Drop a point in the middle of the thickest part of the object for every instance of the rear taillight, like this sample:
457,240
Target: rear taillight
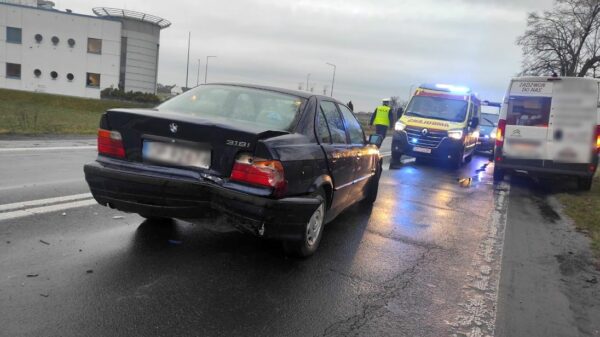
597,138
500,132
110,143
259,172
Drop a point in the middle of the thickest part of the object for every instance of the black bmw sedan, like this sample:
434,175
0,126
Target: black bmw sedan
279,163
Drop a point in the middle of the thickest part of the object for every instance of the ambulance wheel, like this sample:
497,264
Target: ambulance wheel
498,174
584,183
396,156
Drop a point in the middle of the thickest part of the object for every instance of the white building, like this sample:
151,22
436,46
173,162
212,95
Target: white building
46,50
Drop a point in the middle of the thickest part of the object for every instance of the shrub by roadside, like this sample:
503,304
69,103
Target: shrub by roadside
29,113
137,96
584,209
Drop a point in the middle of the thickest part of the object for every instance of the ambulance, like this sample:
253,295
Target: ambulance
441,121
549,126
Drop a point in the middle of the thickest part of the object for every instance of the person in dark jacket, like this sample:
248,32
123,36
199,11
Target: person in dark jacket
382,118
351,106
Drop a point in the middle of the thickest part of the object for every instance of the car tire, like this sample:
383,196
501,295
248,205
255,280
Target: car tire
498,174
396,159
584,183
469,158
312,232
372,188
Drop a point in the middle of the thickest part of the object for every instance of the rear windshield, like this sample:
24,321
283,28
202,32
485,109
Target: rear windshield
261,107
447,109
489,120
528,111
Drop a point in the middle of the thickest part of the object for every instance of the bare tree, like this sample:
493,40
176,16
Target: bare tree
564,39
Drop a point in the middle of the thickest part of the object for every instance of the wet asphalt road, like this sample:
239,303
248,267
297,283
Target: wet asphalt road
426,260
423,262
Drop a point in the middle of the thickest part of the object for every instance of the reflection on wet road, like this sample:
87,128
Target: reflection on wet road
422,262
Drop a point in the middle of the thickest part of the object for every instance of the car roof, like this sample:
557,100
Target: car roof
302,94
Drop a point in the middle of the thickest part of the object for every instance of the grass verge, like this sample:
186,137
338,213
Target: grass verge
584,209
29,113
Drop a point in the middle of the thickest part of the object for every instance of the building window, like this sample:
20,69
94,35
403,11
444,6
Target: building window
70,77
71,43
38,38
93,80
13,70
13,35
54,75
37,73
55,40
94,46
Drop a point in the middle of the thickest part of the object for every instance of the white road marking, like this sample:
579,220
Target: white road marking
39,202
53,148
477,316
46,209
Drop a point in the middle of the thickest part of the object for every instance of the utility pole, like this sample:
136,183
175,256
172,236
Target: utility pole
333,80
206,71
307,78
187,70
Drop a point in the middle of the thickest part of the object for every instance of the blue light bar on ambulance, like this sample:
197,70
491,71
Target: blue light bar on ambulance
453,88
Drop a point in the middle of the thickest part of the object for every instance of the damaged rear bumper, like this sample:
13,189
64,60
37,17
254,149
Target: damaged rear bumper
160,193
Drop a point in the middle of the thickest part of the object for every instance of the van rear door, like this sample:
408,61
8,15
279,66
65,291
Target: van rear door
571,131
527,119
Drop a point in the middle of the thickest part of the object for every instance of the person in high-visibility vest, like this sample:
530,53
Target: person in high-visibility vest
382,118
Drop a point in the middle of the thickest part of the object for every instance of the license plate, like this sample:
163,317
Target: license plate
176,154
421,149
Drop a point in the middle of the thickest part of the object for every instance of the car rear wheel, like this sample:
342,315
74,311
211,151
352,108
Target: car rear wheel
154,219
584,183
313,232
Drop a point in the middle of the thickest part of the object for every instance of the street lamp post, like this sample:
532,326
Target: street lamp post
198,75
206,71
333,80
307,79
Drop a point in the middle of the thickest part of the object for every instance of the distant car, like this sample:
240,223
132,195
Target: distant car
488,126
282,163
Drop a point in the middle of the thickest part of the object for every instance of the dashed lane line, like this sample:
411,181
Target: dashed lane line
47,201
46,209
49,148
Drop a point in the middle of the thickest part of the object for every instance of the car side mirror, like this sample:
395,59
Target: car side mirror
376,140
474,122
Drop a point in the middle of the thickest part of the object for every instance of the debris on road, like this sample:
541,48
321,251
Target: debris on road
89,271
44,242
465,182
33,275
45,295
118,217
64,213
593,280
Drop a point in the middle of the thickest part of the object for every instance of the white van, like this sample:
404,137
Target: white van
549,126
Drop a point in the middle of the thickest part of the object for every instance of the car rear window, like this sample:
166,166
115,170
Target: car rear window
528,111
262,107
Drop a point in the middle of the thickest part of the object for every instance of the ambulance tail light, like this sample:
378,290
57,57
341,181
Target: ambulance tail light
597,138
500,133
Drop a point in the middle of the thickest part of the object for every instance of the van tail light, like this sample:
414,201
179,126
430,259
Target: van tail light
110,143
500,132
597,138
259,172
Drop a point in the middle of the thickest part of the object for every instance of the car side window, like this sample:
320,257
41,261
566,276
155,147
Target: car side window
355,131
323,129
335,122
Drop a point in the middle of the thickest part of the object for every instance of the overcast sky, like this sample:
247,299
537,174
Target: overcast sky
380,47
